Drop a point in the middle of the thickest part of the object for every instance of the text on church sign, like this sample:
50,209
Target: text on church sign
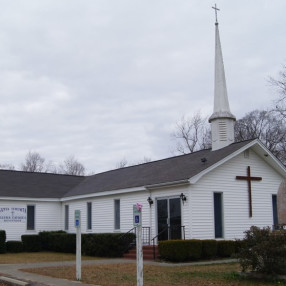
13,214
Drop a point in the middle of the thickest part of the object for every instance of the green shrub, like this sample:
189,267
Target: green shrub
173,250
180,250
46,239
194,247
31,242
225,248
263,251
239,244
106,244
2,241
62,242
96,244
209,248
14,246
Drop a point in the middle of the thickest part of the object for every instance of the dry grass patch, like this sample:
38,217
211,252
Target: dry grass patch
38,257
125,274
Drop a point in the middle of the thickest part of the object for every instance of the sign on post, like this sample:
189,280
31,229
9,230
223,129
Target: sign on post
137,222
137,218
77,224
77,218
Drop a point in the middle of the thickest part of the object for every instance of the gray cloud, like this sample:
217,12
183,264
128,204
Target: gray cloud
103,80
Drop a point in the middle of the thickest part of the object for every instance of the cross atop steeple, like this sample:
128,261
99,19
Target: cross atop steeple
216,9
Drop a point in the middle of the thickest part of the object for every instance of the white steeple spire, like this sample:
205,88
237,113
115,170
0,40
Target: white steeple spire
222,120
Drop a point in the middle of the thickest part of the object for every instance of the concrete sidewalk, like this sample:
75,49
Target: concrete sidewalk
13,270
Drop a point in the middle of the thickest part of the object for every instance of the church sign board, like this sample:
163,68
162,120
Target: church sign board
13,214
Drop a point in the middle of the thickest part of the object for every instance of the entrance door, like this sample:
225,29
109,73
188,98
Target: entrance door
169,218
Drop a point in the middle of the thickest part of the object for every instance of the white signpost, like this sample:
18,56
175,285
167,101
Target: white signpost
137,222
77,224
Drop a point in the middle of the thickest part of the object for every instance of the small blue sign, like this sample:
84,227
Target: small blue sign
137,219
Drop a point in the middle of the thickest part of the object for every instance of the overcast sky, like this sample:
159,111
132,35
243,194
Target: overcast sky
108,79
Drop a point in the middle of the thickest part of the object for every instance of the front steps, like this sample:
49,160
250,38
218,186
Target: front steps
147,253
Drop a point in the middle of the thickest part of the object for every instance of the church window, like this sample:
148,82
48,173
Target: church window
66,217
274,209
116,214
30,217
89,215
218,215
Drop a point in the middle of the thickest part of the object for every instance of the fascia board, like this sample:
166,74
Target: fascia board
168,184
101,194
29,199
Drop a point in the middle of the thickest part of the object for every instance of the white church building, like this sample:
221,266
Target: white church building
216,193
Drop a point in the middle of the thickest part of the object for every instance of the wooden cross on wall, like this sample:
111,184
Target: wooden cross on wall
248,178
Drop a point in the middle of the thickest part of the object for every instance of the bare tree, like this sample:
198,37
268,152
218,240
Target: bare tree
72,166
192,134
280,85
266,126
7,167
143,161
122,163
34,162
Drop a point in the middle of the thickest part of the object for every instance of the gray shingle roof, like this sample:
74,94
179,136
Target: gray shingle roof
44,185
35,185
172,169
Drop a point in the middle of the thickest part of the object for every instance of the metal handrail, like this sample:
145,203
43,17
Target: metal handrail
153,240
146,236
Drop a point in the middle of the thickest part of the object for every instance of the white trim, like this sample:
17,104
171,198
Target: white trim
256,144
29,199
168,184
106,193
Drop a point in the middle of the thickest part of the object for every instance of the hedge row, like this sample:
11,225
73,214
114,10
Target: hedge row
14,246
98,244
194,249
2,241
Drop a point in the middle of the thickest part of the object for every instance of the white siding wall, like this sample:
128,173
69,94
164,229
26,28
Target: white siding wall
235,198
47,217
103,211
197,211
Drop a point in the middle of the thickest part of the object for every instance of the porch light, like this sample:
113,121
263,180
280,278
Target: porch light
183,197
150,201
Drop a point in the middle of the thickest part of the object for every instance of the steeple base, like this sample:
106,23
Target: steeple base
222,132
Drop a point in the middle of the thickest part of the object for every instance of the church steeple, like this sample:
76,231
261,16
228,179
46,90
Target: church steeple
222,120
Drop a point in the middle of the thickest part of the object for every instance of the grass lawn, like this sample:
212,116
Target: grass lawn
34,257
125,274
